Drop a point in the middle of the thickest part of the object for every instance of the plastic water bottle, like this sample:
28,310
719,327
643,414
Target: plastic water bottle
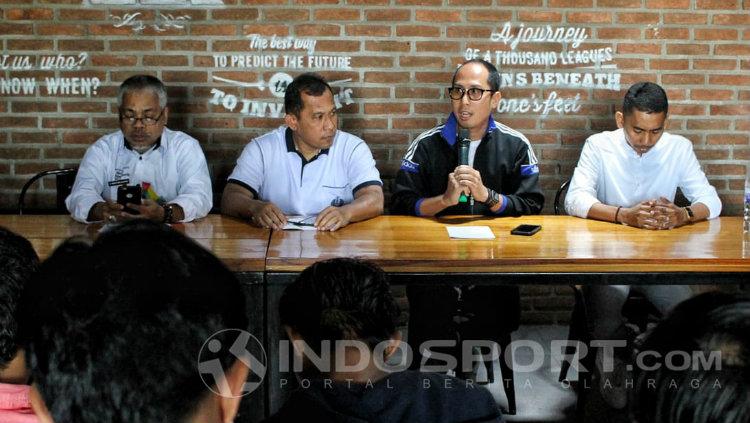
746,223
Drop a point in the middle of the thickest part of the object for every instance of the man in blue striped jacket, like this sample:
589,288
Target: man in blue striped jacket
500,179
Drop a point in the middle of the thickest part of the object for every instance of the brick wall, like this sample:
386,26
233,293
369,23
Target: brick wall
392,60
400,55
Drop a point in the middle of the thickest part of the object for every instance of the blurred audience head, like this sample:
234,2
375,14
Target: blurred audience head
340,299
18,262
115,328
698,368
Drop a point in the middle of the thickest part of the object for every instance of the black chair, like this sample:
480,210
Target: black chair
65,179
560,191
577,330
464,324
466,319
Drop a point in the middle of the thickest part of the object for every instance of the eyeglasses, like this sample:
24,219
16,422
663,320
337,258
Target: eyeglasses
475,94
146,120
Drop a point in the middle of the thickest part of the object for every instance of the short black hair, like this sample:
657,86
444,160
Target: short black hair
645,97
18,262
309,83
493,77
115,329
340,299
704,324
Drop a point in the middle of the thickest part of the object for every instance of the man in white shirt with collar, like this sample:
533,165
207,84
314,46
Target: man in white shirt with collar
169,165
306,167
630,176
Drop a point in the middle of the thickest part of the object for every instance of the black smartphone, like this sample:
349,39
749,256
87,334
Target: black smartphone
526,230
129,194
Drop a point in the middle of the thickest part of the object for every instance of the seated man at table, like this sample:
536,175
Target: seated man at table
630,176
168,165
350,300
19,402
500,178
305,168
711,331
118,331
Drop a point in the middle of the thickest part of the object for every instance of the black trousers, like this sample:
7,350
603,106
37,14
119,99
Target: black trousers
443,312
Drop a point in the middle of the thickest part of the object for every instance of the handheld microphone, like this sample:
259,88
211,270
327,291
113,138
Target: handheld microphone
464,140
463,146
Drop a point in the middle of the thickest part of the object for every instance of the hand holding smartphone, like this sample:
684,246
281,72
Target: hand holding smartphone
129,194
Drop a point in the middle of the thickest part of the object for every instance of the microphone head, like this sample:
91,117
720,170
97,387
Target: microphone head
463,146
463,135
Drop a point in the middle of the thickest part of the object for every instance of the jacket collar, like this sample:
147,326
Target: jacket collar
450,129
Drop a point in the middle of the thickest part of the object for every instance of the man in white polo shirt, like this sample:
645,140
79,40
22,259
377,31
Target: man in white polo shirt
305,168
169,165
631,176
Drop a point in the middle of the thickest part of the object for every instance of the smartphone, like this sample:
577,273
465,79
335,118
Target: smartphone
129,194
526,230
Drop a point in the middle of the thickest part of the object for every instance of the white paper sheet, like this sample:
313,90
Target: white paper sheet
470,232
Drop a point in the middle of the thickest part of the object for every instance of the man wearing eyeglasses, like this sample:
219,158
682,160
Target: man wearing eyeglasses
168,165
500,179
502,175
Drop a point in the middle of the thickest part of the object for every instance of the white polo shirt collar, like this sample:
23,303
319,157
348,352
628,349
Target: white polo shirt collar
291,148
129,146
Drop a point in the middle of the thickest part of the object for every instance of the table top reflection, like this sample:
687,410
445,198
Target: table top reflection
415,245
241,246
564,245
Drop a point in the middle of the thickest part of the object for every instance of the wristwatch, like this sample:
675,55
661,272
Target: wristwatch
492,198
168,212
690,214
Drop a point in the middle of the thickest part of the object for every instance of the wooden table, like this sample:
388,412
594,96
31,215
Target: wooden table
564,245
568,250
242,247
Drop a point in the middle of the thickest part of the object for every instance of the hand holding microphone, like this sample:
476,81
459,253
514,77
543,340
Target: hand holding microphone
464,141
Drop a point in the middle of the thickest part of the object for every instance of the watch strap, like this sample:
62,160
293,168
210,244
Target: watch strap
168,212
492,198
689,212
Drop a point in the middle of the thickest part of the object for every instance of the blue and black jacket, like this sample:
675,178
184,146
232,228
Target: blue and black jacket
504,159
